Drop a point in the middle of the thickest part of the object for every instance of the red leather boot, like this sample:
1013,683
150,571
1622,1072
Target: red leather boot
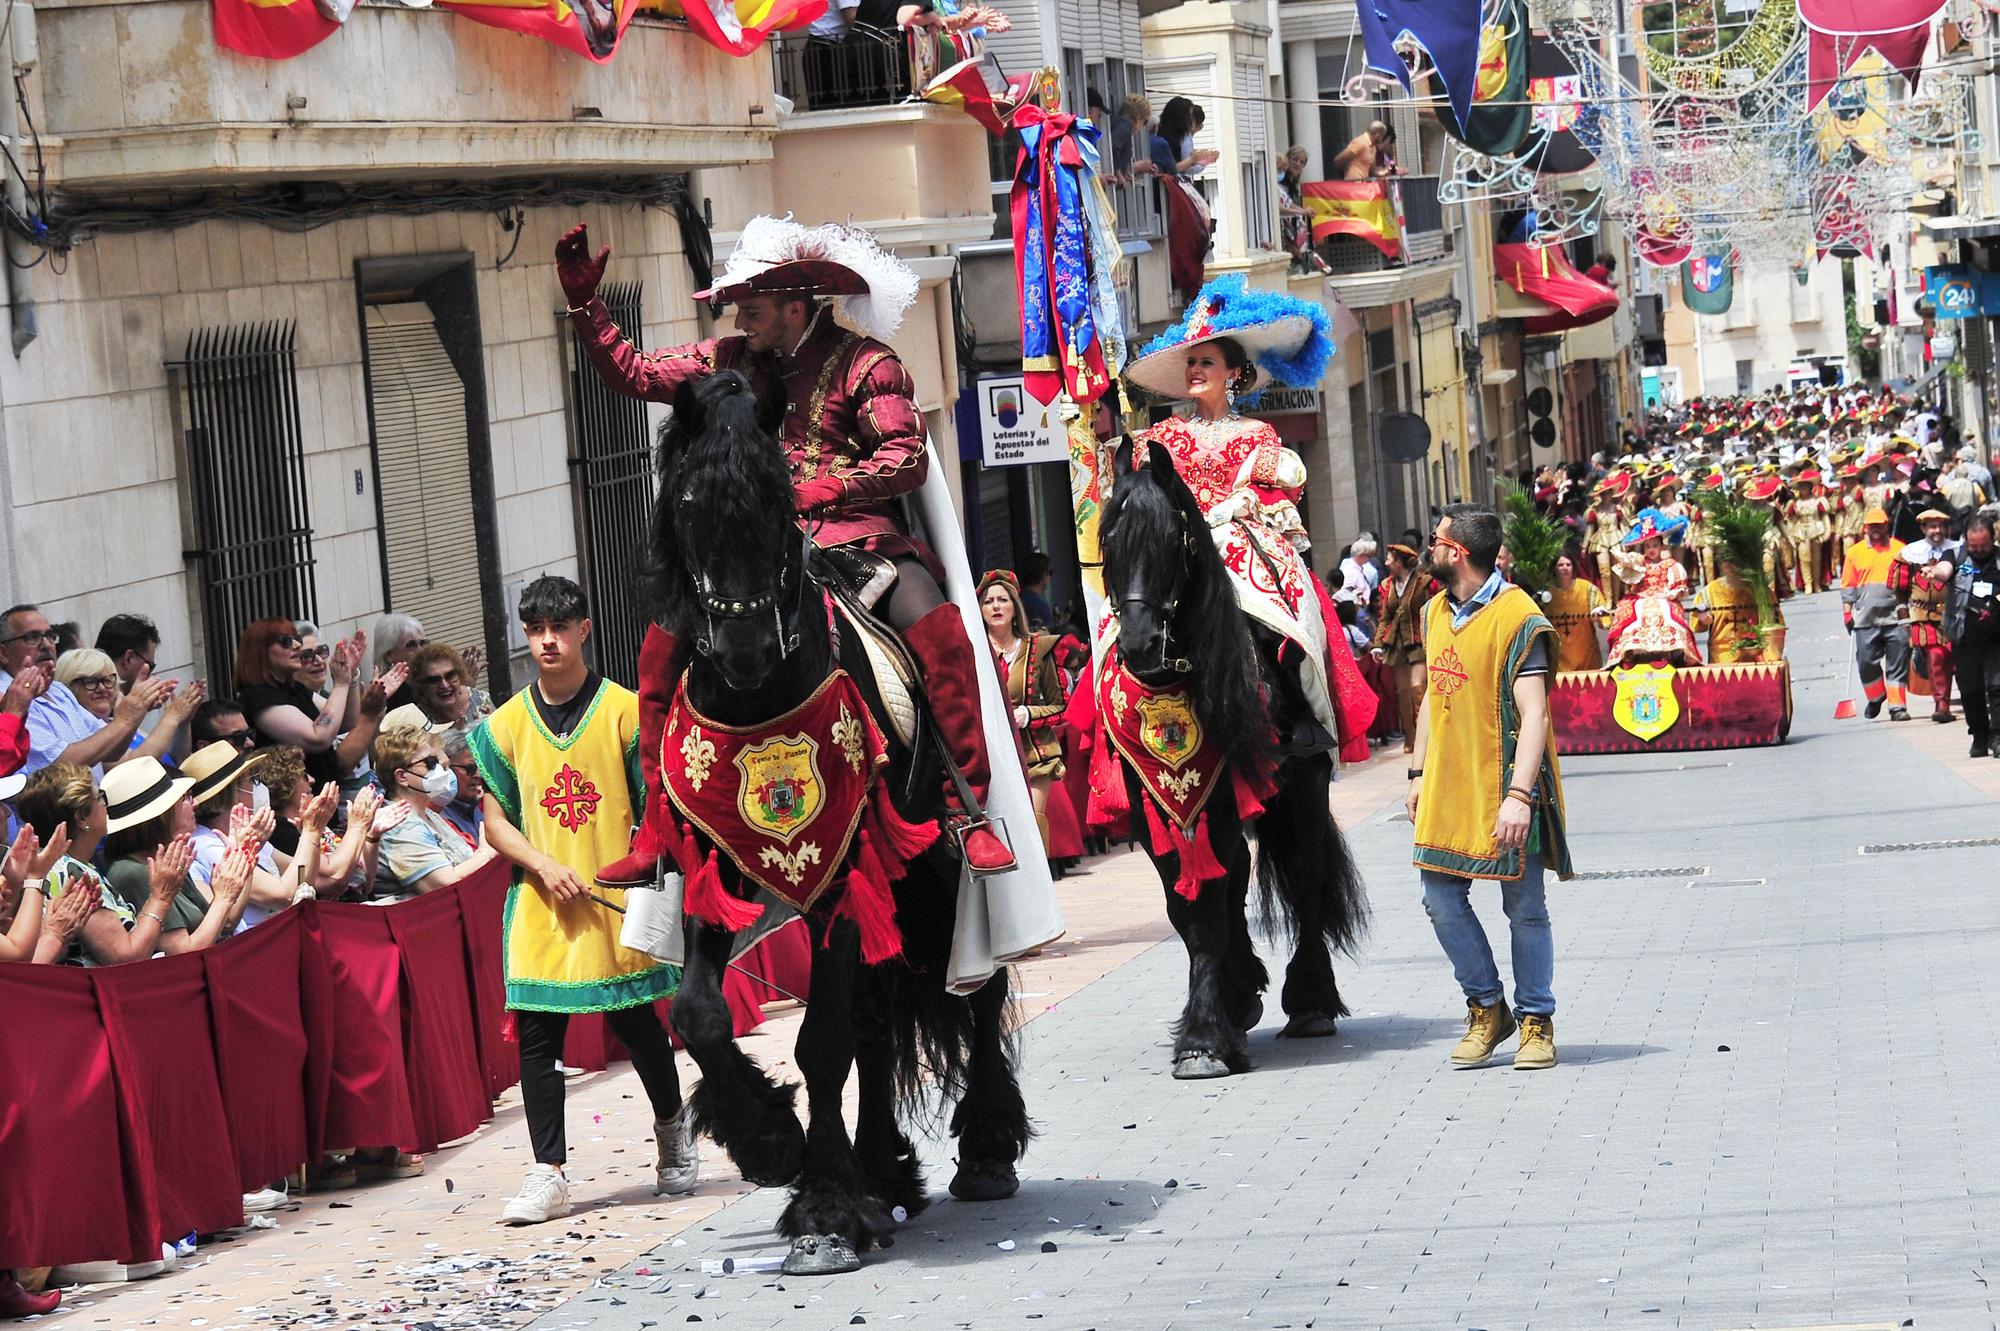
17,1302
951,680
659,676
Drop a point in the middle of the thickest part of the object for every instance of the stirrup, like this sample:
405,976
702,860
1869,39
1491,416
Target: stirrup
961,826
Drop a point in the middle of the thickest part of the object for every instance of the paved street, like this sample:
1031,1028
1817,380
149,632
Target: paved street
1774,1106
1773,1110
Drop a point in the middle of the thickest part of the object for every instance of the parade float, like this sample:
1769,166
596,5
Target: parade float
1658,690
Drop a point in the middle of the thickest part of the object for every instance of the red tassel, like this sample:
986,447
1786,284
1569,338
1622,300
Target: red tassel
867,901
1110,805
705,898
508,1033
902,840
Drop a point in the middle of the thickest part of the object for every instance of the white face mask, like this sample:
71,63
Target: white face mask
441,784
260,797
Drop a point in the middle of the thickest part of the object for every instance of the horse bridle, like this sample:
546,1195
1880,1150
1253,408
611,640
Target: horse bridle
1178,665
771,598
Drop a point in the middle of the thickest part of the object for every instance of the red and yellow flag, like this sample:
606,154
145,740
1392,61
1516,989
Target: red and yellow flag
741,26
977,87
590,28
271,29
1363,208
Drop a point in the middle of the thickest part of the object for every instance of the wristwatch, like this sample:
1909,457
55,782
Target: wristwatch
1415,772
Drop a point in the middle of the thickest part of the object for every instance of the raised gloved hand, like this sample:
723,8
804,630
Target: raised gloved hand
576,268
818,494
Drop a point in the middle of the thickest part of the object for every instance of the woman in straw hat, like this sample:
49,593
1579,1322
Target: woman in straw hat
149,834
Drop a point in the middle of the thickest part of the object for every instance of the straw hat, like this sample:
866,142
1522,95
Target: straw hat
216,768
139,789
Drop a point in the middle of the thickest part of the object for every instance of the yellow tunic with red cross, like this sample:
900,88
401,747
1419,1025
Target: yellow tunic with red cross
575,798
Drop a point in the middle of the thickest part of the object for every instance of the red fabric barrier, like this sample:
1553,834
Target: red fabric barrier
142,1101
1721,707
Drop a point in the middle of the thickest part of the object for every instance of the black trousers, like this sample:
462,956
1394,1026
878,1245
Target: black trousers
541,1035
1978,668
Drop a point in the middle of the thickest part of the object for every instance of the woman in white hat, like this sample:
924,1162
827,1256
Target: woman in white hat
149,830
222,773
62,800
1234,341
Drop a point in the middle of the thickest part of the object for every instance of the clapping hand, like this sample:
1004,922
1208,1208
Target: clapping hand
14,868
181,703
167,869
232,873
361,811
388,816
76,905
475,662
30,684
57,847
144,697
318,812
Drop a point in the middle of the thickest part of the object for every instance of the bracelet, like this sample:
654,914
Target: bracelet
1525,796
1415,772
160,920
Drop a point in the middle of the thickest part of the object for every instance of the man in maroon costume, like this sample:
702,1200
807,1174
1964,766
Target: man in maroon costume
855,440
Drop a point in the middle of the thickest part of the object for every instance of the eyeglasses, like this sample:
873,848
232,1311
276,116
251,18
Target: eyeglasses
95,683
439,681
33,635
426,764
242,739
319,653
1437,541
288,640
415,644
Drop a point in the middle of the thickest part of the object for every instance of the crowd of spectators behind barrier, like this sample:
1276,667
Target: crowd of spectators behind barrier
142,815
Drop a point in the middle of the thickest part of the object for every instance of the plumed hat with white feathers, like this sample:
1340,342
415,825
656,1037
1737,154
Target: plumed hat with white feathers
870,289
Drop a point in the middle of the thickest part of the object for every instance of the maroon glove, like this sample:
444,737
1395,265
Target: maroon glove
578,272
818,494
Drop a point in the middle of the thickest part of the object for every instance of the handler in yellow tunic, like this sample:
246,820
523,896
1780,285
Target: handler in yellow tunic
1574,606
560,760
1485,790
1727,608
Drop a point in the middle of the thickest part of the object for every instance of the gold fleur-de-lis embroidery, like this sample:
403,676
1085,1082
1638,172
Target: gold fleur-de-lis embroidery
792,866
1179,786
1118,700
697,757
847,734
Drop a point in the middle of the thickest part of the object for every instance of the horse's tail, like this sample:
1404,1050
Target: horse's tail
1306,874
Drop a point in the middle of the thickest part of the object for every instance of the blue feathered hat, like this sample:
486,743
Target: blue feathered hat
1651,522
1288,340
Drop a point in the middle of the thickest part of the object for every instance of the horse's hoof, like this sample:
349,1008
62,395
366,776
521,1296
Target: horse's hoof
985,1181
1199,1066
1309,1026
1254,1014
821,1255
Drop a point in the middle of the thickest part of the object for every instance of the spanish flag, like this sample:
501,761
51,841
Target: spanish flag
741,26
271,29
977,87
1368,209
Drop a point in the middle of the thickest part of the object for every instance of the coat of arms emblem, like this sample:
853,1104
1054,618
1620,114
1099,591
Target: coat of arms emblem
1168,728
780,792
1646,706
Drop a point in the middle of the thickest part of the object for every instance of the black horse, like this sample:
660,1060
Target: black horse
1179,623
731,573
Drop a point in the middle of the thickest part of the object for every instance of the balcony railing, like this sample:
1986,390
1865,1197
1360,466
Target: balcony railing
869,67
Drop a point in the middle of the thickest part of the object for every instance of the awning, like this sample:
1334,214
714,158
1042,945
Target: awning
1544,274
1494,378
1963,228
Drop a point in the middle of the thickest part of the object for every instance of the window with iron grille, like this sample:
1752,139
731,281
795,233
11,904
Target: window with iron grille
244,495
611,474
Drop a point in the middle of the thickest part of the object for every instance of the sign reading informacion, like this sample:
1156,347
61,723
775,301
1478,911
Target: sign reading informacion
1014,429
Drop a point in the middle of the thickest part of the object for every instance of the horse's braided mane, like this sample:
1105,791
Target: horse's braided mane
1150,512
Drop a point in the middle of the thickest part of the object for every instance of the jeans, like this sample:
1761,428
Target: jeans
1447,900
541,1036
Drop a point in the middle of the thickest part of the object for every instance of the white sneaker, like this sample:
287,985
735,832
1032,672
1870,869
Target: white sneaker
264,1199
544,1195
679,1169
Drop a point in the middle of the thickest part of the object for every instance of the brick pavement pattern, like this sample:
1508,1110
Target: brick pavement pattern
1773,1109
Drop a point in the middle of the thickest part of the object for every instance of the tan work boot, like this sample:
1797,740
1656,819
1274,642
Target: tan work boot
1485,1028
1538,1042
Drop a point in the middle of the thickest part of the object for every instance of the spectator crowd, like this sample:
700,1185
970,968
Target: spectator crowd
143,815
